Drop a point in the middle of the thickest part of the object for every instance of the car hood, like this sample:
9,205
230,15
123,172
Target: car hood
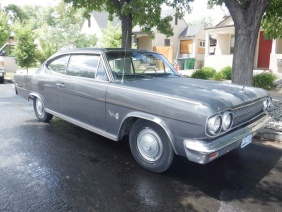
214,94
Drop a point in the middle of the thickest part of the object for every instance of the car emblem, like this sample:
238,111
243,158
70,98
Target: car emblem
112,114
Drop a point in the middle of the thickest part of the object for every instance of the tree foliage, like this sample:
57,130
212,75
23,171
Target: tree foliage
205,21
111,37
59,28
272,20
16,13
4,28
25,50
146,14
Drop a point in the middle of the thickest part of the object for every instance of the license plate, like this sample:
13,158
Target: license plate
247,140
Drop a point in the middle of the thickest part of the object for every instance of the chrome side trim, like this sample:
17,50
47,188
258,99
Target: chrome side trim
83,125
154,119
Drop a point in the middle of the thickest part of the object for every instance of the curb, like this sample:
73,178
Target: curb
270,135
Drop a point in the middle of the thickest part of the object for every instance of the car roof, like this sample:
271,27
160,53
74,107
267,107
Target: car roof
99,50
94,51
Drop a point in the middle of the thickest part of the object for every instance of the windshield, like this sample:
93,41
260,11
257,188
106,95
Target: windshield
131,65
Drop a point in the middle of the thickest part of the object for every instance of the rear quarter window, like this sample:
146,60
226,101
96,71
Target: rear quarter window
59,65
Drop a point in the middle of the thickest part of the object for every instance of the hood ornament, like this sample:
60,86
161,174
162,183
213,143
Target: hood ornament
243,89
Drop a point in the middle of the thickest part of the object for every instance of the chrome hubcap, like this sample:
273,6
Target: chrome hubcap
149,145
39,107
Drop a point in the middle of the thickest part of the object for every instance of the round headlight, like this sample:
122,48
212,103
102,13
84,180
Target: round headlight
214,125
265,104
227,120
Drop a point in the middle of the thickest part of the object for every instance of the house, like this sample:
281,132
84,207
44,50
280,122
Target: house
192,45
268,54
187,41
97,22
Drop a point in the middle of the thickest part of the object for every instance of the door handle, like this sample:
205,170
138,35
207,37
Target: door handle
60,84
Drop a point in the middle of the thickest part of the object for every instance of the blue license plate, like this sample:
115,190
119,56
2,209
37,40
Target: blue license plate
247,140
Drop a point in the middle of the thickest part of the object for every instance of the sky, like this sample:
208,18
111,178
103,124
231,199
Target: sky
23,2
199,8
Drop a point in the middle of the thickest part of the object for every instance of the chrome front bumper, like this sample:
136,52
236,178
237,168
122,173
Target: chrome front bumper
203,151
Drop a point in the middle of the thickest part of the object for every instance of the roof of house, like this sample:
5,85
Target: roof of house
102,19
191,31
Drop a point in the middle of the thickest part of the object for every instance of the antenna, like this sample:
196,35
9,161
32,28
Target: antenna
124,55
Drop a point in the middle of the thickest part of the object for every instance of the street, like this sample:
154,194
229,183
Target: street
58,166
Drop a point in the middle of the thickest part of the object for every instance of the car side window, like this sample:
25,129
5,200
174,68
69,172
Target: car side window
9,50
101,73
59,65
83,65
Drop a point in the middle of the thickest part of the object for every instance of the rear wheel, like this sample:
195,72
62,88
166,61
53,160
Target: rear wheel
150,146
39,110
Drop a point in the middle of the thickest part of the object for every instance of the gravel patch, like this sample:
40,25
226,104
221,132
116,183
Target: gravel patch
276,114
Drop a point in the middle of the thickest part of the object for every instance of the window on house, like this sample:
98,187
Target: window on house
232,42
186,46
201,47
175,20
202,43
167,42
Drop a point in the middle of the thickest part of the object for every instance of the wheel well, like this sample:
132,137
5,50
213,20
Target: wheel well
128,123
126,126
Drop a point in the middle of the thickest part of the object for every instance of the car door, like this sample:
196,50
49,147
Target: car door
47,86
82,91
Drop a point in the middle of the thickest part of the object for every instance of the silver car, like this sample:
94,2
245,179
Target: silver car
118,92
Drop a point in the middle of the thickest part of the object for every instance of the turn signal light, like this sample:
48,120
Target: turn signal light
213,155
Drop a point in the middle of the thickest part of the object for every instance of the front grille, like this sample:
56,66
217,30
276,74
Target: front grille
246,113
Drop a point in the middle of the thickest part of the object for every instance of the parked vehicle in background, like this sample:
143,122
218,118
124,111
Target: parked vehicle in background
7,60
118,92
2,71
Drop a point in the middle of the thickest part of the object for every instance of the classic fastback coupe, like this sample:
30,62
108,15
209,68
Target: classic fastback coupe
118,92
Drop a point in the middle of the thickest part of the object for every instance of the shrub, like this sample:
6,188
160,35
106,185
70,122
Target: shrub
226,72
264,80
219,76
210,72
200,74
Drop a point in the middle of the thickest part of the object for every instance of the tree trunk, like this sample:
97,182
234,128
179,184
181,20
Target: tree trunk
247,18
126,27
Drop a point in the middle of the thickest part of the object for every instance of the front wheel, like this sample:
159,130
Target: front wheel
39,110
150,146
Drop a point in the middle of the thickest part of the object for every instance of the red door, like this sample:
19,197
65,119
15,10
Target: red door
264,51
